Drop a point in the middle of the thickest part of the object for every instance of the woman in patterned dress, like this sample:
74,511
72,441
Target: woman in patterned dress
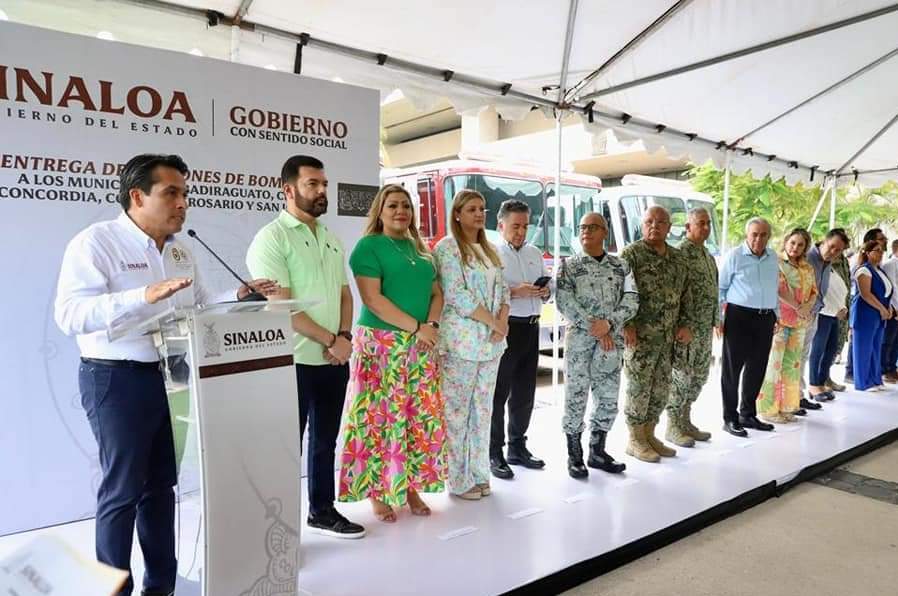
780,396
472,340
394,435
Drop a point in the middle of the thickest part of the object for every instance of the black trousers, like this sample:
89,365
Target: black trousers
747,338
128,413
515,385
322,391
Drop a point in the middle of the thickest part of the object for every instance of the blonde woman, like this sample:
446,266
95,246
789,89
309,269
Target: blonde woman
394,432
780,397
472,340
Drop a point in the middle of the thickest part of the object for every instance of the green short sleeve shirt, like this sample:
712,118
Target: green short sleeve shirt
406,278
311,265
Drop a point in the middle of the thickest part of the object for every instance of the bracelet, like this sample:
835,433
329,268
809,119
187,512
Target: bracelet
345,335
417,327
333,341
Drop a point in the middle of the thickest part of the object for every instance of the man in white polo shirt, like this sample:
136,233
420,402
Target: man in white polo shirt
125,269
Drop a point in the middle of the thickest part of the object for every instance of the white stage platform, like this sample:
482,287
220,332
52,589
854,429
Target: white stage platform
543,531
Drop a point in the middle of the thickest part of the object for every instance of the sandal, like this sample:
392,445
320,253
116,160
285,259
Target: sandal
416,505
383,512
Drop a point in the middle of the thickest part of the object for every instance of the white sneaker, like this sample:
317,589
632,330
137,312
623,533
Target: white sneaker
877,388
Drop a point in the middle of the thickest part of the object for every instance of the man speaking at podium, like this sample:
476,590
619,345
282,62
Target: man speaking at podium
127,269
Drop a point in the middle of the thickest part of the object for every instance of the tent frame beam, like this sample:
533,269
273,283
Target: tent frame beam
477,84
568,44
628,47
816,96
867,145
743,52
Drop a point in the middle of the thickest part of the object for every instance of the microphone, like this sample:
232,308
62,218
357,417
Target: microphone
253,296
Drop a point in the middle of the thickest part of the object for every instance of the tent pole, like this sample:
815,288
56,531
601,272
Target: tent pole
867,145
823,192
726,203
556,253
832,205
235,43
628,47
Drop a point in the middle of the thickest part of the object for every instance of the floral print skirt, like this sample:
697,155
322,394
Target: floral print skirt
394,431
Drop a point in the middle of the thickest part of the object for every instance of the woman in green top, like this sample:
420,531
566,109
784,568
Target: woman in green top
394,430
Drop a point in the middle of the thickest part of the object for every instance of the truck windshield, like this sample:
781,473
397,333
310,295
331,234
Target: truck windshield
496,189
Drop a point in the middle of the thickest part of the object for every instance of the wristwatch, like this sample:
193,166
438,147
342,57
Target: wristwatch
345,335
434,324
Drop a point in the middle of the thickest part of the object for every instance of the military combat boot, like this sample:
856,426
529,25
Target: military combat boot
691,429
638,447
676,430
575,465
655,443
599,458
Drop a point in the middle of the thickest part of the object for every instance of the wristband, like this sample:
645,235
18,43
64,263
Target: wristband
417,327
345,335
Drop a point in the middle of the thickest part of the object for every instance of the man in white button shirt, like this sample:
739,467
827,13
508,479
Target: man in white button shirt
522,265
128,269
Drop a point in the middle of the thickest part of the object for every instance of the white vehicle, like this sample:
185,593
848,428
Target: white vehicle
623,207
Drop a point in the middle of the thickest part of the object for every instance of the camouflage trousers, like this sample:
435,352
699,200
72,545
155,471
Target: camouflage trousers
691,364
648,368
587,366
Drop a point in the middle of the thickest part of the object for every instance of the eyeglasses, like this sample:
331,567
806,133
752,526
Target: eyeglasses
590,228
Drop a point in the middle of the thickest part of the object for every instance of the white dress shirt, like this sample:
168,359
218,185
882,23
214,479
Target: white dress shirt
105,271
836,292
524,265
890,268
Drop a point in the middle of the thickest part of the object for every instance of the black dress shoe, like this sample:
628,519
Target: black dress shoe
499,467
808,404
734,428
753,422
519,455
800,412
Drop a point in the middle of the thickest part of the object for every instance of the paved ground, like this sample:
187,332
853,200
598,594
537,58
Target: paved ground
836,536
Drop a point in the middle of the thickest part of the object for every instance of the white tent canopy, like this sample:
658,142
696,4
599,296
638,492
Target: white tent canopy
818,95
734,101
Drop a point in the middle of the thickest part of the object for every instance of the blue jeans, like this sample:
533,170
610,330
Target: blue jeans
823,349
128,413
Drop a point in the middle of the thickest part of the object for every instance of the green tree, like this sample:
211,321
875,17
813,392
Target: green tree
787,207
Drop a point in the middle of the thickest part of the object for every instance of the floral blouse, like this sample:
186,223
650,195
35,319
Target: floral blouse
464,289
800,284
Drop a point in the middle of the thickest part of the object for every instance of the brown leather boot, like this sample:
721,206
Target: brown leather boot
638,447
655,443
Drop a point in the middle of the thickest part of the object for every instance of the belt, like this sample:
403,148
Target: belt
122,363
531,320
757,311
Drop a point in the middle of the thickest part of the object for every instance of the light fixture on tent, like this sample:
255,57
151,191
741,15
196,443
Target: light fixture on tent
3,16
106,35
270,67
338,80
196,52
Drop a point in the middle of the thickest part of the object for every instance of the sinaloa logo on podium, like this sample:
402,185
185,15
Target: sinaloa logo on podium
211,341
251,339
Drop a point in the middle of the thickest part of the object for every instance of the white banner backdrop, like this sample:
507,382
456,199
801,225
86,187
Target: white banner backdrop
72,111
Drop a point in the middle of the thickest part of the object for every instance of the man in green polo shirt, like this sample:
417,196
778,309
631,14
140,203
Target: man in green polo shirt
309,263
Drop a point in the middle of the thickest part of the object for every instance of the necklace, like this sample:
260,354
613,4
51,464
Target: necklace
402,252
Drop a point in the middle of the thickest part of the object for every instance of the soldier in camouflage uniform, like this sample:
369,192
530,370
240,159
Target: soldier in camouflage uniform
692,361
662,319
596,294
